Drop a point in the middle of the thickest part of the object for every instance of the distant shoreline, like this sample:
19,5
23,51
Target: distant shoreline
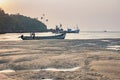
24,32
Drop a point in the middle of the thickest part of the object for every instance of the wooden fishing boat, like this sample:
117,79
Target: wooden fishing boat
59,36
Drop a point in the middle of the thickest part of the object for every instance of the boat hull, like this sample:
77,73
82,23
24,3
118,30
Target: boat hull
61,36
75,31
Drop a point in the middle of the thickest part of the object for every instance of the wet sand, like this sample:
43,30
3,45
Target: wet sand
94,59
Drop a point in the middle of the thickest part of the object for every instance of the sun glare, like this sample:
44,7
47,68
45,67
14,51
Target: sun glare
1,1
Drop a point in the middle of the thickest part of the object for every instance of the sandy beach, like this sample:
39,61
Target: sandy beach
91,59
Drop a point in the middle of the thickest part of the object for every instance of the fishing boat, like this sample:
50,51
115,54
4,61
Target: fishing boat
77,30
105,30
73,31
58,30
69,30
33,37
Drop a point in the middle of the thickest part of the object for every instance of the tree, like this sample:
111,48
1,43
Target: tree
19,23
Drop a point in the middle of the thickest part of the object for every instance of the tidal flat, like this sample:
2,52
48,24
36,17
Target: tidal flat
90,59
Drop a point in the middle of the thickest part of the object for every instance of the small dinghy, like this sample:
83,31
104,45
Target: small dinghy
33,37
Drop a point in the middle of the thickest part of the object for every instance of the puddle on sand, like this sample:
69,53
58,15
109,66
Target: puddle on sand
7,71
92,44
105,40
9,50
70,69
47,79
48,69
114,47
54,69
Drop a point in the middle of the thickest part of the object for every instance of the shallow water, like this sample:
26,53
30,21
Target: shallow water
47,79
81,35
55,69
69,69
47,69
7,71
105,40
93,35
114,47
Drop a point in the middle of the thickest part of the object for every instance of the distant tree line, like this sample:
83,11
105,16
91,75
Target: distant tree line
19,23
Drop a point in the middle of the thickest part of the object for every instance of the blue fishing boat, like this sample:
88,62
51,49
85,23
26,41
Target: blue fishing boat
73,31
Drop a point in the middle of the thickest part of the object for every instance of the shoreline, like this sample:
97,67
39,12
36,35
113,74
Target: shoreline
96,62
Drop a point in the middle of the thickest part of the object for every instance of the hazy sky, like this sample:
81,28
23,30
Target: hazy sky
88,14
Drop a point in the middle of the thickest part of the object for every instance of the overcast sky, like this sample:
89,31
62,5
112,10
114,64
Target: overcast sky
87,14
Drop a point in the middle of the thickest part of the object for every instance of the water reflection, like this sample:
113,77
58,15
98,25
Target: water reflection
81,35
47,69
